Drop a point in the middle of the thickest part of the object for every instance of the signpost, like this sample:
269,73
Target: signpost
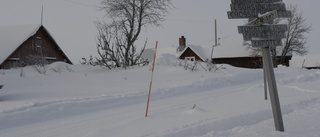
267,17
254,1
263,28
266,35
260,7
254,14
261,13
266,43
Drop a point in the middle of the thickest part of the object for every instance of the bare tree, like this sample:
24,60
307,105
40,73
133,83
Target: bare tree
295,41
116,39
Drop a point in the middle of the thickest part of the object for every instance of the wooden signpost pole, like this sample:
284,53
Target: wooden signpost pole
263,34
273,91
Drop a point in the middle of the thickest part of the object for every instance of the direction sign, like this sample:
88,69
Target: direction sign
262,28
267,17
254,14
266,43
268,35
259,7
264,40
254,1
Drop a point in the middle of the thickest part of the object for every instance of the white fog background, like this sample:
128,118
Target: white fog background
71,23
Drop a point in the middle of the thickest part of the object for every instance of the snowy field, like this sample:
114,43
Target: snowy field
87,101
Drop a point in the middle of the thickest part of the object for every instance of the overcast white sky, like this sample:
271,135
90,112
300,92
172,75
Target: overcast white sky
71,23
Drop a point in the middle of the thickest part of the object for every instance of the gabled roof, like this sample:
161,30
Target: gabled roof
11,37
230,51
204,52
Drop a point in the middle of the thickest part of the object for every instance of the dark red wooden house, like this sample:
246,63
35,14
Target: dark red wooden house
19,42
222,55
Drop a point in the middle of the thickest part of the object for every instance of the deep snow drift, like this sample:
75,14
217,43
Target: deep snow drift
86,101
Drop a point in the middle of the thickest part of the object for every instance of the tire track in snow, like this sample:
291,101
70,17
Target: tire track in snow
45,111
212,126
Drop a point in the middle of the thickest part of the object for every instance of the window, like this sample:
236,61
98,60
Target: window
190,58
38,45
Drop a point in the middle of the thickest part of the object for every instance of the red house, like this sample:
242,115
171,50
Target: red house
221,55
17,43
193,52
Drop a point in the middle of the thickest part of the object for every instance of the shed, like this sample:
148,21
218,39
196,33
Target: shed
17,43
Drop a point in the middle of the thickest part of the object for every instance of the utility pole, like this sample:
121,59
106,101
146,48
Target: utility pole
41,15
215,37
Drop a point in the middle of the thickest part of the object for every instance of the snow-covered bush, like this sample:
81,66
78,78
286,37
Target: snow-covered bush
37,62
166,60
59,67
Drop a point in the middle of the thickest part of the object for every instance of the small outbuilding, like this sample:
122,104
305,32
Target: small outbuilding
18,43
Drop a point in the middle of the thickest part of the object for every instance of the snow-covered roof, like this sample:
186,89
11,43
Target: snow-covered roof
203,51
219,51
312,60
148,54
11,37
230,51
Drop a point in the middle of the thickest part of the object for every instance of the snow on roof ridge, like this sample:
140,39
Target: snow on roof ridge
203,51
11,37
219,51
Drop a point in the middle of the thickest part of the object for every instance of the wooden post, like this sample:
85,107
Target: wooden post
273,91
265,81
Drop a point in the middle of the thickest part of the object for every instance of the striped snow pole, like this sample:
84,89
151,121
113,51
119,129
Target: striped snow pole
150,87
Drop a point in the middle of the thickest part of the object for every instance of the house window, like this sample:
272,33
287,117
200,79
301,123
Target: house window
190,58
39,49
39,45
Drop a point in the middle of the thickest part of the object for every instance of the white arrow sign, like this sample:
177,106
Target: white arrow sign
267,17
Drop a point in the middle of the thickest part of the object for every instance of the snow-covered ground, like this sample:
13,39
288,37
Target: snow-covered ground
87,101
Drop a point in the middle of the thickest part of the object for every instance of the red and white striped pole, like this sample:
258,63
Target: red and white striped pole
150,87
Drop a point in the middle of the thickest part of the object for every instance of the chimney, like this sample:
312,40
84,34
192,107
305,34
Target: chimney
182,43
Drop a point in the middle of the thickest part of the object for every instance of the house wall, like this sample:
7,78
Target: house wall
41,44
247,62
189,53
242,62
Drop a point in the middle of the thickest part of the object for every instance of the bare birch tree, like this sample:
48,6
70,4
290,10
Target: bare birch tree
126,18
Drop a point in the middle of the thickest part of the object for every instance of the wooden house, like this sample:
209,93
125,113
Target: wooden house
17,43
195,53
235,56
